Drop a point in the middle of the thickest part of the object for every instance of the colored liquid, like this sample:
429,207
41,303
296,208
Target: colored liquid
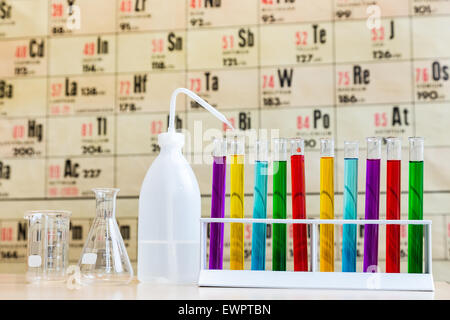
279,212
237,211
217,211
350,212
299,212
372,212
415,212
393,213
259,212
326,212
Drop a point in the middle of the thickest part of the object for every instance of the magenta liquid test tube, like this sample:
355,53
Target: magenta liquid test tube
217,204
372,204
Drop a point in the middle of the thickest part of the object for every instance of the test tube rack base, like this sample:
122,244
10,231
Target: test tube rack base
315,279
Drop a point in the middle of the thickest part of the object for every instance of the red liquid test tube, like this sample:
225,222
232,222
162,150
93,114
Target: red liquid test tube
393,194
299,204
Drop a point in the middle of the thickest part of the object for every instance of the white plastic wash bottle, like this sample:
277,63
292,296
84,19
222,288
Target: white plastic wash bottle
169,210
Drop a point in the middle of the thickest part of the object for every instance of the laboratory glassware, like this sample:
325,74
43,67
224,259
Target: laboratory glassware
372,204
104,258
299,204
393,194
279,204
415,205
170,209
260,206
351,154
237,202
48,244
326,204
217,203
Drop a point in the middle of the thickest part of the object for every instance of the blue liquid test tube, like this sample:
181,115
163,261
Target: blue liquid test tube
260,206
351,150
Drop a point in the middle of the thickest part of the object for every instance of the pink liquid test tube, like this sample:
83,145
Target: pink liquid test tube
372,211
217,204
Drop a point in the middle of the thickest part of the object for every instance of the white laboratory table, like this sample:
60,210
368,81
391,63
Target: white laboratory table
14,287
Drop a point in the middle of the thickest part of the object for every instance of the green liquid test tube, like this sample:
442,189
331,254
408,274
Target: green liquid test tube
415,205
279,204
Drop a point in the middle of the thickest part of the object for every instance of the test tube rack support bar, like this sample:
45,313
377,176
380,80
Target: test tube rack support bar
314,279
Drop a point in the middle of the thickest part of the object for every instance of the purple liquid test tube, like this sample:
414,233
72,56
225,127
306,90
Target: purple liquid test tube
217,204
372,204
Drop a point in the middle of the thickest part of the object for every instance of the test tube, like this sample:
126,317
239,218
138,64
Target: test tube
415,204
279,204
372,204
351,154
260,206
299,204
217,203
393,194
326,204
237,203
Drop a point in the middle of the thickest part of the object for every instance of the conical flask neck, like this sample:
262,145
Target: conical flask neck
105,202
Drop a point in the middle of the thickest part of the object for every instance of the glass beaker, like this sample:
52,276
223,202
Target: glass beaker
48,244
104,259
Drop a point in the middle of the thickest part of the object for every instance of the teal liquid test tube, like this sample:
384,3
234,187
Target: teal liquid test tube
260,206
415,205
279,204
351,154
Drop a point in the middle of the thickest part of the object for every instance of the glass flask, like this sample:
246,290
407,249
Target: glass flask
104,259
47,250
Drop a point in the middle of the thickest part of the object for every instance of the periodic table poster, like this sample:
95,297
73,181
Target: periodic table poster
85,88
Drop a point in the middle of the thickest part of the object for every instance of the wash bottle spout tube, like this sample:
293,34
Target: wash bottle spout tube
415,205
196,98
393,194
372,204
351,154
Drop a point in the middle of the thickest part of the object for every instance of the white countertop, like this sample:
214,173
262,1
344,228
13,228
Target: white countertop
14,286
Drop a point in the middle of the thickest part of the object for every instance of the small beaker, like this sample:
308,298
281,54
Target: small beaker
104,259
48,244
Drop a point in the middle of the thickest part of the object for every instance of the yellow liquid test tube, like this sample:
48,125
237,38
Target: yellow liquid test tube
326,204
237,204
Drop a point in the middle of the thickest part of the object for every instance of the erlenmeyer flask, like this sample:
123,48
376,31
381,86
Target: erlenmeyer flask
104,259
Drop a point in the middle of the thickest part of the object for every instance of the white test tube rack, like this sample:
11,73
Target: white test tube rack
314,278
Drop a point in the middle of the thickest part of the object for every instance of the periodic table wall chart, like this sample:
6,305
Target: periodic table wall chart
85,88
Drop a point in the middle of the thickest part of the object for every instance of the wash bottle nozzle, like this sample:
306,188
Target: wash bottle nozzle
203,103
